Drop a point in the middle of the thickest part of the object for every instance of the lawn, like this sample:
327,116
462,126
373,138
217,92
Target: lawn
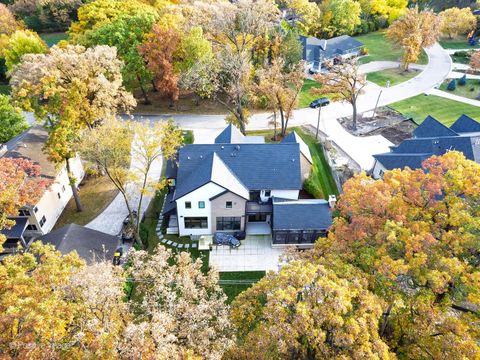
457,44
96,193
306,97
53,38
379,48
395,76
444,110
320,184
471,90
4,89
233,283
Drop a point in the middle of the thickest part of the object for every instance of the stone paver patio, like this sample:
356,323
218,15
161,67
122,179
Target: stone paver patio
255,254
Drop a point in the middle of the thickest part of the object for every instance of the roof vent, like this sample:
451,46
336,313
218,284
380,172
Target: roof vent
237,147
222,147
293,160
201,156
188,157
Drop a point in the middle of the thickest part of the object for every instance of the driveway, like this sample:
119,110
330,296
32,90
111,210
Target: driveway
359,149
110,221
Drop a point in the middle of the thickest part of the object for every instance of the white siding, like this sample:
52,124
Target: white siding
50,205
378,170
203,193
286,194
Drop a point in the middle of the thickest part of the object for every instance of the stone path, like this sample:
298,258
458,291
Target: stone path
168,242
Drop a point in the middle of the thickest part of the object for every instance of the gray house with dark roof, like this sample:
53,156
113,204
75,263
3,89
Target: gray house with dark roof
321,50
230,185
431,138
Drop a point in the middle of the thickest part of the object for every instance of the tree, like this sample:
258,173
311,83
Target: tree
415,234
290,49
414,31
234,29
95,14
184,308
475,61
20,185
457,21
20,43
12,121
201,78
158,51
342,82
452,85
463,80
282,86
306,13
126,153
70,89
309,310
8,23
126,33
340,17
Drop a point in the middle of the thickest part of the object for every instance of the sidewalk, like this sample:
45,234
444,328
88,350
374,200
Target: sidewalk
448,95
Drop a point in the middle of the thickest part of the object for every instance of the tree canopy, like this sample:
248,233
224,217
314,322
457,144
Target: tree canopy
12,122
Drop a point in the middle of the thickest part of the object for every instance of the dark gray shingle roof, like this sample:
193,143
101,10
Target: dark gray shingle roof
319,49
399,161
431,127
256,166
301,215
465,124
16,231
90,244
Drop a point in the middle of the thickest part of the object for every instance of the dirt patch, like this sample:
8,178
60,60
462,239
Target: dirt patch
387,122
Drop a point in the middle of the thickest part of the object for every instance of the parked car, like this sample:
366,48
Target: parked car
225,239
319,102
316,68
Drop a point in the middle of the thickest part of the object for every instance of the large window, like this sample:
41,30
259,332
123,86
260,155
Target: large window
23,212
228,223
196,222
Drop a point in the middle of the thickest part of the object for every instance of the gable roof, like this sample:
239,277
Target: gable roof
320,49
392,161
465,124
17,230
293,137
431,127
88,243
254,166
231,135
308,214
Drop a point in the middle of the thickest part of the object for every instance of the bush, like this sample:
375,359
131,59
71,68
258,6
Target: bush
463,80
452,85
364,51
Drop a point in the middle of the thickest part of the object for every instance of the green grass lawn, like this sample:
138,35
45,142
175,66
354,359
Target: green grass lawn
444,110
53,38
4,89
457,44
379,48
96,193
320,184
306,97
471,90
395,76
234,282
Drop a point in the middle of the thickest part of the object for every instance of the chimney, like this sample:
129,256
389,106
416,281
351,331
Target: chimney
332,200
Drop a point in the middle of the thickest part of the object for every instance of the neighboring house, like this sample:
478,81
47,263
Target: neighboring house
231,186
14,236
91,245
43,215
431,138
321,50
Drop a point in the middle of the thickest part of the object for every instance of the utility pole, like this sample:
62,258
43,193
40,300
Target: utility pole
378,99
318,120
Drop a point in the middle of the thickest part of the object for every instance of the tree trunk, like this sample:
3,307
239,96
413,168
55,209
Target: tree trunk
196,99
282,122
385,320
354,117
71,180
241,120
137,224
146,100
274,126
155,89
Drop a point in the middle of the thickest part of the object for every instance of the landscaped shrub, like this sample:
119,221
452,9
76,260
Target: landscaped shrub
364,51
452,85
463,80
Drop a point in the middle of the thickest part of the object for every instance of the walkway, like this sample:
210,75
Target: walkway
451,96
110,221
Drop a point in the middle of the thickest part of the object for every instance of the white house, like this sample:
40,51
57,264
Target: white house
44,214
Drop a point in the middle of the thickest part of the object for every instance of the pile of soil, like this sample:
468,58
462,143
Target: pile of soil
387,122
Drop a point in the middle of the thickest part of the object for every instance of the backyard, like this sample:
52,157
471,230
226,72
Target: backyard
53,38
458,43
380,49
233,283
395,76
444,110
306,96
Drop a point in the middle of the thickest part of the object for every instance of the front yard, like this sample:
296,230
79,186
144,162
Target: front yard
380,49
96,193
395,76
306,96
460,43
470,90
444,110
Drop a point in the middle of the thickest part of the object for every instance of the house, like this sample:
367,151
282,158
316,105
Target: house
321,50
14,236
43,215
234,184
90,244
431,137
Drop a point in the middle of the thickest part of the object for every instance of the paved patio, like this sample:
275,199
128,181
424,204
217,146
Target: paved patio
255,254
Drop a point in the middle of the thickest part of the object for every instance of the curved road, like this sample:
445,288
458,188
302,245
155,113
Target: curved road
360,149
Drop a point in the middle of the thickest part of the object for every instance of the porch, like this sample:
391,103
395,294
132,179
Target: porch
258,218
